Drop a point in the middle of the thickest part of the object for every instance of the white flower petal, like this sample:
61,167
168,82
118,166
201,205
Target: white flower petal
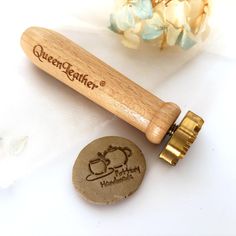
175,13
131,40
156,20
172,35
143,9
151,32
125,19
185,40
113,25
18,145
137,28
197,8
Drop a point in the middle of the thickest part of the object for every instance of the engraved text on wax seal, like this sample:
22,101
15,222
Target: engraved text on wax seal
111,166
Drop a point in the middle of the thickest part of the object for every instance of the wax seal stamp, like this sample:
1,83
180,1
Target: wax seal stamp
108,170
105,86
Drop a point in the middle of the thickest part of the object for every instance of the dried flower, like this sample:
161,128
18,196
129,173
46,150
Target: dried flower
169,22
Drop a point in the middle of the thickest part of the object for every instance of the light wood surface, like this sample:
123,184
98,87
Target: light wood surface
80,70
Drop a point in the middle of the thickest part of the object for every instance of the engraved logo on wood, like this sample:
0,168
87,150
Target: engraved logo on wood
113,163
66,68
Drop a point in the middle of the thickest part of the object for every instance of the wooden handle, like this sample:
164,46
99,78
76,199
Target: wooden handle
77,68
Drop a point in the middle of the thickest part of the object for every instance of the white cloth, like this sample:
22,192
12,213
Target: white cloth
44,125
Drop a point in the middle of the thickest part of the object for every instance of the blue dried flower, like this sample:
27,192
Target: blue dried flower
127,12
170,22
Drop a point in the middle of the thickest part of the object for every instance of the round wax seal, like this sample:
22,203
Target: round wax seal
109,169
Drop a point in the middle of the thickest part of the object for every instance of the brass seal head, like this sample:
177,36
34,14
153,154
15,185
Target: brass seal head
182,136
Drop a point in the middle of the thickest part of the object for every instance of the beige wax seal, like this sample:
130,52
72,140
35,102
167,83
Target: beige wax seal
108,169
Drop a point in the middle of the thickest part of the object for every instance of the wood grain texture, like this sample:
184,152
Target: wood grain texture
80,70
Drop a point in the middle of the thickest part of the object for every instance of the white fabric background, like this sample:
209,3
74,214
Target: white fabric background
197,197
